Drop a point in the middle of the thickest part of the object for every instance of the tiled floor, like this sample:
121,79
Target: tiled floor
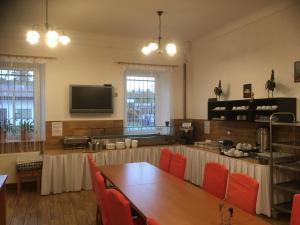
74,208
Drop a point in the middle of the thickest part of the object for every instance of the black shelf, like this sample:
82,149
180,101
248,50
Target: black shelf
290,145
283,105
285,207
291,166
292,186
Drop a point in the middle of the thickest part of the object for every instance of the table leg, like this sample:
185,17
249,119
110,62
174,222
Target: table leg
2,206
38,183
18,185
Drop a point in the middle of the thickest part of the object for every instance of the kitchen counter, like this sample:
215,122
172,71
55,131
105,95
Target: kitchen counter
201,148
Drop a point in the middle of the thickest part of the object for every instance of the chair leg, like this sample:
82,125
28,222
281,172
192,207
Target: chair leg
98,216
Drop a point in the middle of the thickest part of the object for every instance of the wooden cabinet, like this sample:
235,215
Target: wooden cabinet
256,110
2,199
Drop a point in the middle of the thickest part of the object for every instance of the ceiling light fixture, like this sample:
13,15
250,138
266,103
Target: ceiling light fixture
53,37
156,46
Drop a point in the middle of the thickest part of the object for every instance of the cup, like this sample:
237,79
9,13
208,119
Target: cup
134,143
127,142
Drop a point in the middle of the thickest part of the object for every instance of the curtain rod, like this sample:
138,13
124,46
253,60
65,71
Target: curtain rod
145,64
28,56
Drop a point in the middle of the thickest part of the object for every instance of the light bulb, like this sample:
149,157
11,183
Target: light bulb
33,37
146,50
171,49
52,35
153,46
64,39
52,38
52,43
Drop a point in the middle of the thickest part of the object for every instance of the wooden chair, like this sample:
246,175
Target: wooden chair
242,192
119,210
151,221
165,159
101,199
215,179
295,216
177,165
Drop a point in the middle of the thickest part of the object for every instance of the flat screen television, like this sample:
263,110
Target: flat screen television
91,99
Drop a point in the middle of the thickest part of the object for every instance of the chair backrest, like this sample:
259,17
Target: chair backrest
118,207
177,165
151,221
295,216
242,192
165,159
215,179
90,159
101,197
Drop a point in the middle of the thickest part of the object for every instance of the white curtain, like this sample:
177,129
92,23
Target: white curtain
163,88
21,104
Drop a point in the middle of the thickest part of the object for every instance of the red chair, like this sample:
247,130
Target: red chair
242,192
101,198
215,179
118,208
151,221
165,159
90,159
295,216
177,165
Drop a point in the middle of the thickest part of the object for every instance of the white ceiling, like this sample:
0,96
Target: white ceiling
183,19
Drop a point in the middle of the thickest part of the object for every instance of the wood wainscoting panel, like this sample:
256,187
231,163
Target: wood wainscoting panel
82,128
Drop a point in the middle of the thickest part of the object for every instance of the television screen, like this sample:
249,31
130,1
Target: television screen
91,99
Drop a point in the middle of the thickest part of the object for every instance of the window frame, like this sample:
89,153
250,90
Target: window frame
142,130
37,121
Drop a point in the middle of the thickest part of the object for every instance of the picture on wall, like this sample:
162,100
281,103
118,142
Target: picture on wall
247,90
297,72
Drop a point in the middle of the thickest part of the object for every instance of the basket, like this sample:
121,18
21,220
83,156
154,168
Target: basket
26,165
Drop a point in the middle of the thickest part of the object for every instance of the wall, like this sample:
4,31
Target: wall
246,52
89,59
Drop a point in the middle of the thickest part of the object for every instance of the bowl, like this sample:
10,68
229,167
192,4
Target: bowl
110,146
127,142
134,143
120,144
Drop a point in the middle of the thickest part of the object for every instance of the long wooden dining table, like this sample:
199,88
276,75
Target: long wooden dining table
172,201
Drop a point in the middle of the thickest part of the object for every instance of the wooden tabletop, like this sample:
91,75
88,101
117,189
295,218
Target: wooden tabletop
155,193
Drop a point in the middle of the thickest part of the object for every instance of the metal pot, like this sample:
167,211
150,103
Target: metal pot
262,139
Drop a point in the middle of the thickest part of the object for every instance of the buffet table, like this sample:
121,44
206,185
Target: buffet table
63,172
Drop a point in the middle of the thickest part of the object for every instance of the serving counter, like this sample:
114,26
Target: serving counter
67,170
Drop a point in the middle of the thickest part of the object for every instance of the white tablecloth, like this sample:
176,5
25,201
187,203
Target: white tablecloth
70,172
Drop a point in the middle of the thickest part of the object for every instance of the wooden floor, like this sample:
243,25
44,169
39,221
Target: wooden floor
74,208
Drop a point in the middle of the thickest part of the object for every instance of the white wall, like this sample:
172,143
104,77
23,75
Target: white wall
90,59
246,52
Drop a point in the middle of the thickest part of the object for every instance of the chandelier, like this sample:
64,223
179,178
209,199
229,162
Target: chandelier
52,37
156,45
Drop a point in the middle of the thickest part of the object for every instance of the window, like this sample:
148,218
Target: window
20,101
144,91
140,92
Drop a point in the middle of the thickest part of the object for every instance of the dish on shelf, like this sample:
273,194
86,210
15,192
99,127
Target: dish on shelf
243,107
219,108
266,107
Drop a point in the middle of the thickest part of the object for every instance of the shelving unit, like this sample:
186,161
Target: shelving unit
253,110
291,164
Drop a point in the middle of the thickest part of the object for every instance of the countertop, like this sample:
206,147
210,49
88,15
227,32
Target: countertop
200,148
